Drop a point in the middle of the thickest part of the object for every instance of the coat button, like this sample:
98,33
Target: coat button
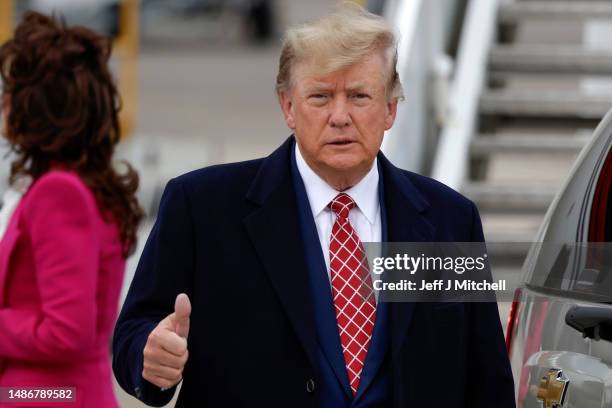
310,385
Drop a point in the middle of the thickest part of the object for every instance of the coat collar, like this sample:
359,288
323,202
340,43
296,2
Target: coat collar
275,167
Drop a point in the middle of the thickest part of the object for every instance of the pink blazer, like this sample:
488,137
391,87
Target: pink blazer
61,272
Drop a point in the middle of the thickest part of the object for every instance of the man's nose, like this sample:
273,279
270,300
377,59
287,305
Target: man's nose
340,114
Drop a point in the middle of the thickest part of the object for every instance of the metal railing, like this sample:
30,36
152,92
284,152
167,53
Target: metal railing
425,30
451,158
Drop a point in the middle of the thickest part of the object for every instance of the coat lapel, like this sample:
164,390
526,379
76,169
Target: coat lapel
275,233
325,315
406,222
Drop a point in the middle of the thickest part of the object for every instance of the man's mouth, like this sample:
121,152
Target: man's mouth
341,142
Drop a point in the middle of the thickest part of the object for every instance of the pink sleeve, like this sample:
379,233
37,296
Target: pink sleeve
60,218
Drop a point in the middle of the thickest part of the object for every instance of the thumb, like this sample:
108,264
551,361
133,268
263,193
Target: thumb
182,310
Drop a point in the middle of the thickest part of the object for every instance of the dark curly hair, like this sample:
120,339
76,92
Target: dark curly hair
63,110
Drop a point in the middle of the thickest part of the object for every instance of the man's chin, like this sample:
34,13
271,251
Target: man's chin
346,164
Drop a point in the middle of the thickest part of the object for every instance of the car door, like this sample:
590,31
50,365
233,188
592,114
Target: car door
560,339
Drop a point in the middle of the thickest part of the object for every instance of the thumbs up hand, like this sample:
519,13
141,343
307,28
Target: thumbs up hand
165,353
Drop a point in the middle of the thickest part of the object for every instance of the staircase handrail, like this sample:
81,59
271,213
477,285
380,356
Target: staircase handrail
478,35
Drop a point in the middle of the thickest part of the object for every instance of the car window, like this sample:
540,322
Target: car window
597,275
600,222
582,267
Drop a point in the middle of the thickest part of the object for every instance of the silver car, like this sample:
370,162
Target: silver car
560,326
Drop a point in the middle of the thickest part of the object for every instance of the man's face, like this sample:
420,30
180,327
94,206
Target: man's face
339,119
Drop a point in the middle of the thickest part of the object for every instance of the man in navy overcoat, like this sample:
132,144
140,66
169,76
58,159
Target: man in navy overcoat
251,289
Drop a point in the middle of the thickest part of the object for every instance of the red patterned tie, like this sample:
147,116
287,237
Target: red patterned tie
352,289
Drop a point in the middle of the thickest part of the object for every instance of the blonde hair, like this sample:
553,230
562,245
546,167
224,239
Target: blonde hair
337,41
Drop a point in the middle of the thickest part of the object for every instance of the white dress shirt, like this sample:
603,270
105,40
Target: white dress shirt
365,217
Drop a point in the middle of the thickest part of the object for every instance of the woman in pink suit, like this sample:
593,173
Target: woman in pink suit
63,250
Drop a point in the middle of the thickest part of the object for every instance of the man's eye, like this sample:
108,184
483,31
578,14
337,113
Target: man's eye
318,96
361,96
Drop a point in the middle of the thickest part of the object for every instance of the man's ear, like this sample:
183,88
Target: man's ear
391,112
287,106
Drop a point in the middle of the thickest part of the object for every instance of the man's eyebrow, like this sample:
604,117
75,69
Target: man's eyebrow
359,86
316,86
319,86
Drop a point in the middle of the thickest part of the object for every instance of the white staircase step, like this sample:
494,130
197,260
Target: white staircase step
510,198
511,227
500,237
510,237
550,59
545,104
484,145
503,248
515,10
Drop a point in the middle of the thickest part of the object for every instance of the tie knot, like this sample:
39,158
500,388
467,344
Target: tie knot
341,205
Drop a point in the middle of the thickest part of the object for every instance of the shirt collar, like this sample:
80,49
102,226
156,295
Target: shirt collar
320,194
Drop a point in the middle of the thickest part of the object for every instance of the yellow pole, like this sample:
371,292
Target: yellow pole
126,46
6,20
